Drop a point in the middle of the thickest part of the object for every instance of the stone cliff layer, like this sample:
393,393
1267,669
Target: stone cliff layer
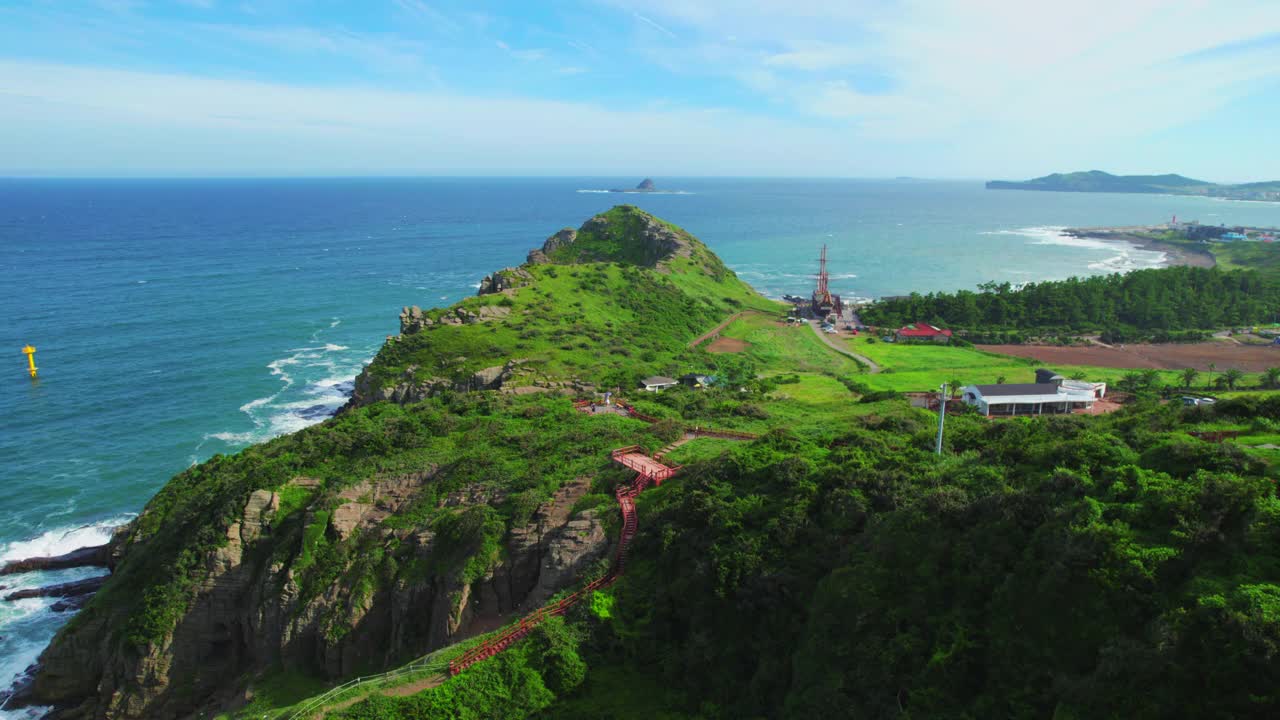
256,604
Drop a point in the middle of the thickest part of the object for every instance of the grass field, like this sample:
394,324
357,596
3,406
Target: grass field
779,348
909,368
817,398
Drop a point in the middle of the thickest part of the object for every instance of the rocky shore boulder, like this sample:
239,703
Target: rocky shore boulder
97,555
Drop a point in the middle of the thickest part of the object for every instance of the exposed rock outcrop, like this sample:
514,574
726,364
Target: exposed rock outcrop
253,607
94,556
414,320
624,233
563,238
504,280
70,589
413,388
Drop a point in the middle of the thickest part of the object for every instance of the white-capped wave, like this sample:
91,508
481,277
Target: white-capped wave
59,541
635,192
1123,256
315,380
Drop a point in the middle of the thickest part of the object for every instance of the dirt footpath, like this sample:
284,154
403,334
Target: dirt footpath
1172,356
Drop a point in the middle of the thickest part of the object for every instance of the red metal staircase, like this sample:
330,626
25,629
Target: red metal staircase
648,471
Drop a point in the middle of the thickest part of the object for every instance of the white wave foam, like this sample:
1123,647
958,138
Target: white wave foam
1126,257
315,381
240,438
634,192
250,406
59,541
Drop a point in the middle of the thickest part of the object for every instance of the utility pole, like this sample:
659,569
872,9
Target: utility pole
942,416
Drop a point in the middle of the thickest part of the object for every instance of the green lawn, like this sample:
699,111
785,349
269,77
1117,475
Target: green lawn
780,348
909,368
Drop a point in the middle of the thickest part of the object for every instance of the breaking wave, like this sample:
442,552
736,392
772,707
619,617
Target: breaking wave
315,380
1120,256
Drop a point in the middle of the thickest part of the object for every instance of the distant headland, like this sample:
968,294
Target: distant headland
1171,184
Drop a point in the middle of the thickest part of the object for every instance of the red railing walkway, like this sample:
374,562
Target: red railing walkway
648,472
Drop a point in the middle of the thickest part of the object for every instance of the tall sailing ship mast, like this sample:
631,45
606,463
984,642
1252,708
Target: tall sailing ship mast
824,302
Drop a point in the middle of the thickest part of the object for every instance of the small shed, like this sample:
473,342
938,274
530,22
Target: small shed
657,383
696,380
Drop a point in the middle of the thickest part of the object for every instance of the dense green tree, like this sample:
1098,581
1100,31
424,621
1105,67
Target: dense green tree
1056,567
1163,304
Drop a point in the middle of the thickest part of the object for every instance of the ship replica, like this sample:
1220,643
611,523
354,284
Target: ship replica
825,303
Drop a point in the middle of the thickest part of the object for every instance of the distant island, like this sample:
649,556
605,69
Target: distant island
645,186
1171,184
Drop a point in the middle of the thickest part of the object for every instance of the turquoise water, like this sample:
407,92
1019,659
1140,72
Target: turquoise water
178,319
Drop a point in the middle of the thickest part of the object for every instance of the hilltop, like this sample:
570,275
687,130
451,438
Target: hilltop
1171,184
626,286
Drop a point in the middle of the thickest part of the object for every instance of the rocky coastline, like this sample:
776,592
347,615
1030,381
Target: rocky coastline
1175,254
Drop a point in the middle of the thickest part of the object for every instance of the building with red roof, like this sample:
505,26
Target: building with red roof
921,332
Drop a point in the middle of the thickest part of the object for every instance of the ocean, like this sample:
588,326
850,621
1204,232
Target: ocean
176,319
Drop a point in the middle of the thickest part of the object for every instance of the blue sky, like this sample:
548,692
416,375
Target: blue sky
933,88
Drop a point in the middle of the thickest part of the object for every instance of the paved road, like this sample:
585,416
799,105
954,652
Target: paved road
835,344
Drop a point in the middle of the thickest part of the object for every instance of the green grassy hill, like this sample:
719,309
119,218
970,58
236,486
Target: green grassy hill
629,289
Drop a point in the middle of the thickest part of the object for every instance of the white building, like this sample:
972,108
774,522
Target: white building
658,383
1053,394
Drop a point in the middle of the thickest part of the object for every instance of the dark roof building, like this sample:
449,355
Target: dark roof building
1018,389
1058,396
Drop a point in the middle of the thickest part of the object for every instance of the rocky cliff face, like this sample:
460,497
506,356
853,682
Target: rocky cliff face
257,606
412,388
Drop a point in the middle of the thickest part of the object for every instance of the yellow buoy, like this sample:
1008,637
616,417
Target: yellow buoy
31,358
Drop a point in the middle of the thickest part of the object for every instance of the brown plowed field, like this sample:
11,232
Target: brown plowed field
727,345
1173,356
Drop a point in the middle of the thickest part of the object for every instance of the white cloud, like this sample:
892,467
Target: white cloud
819,56
377,51
980,69
55,117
